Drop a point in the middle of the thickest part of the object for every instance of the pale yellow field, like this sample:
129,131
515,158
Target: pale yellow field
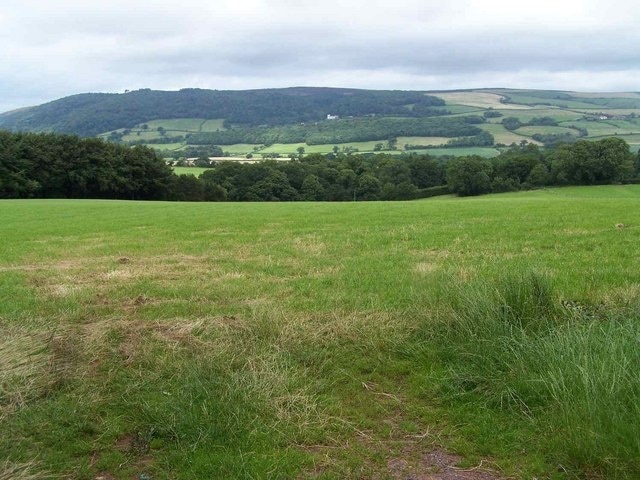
479,99
502,135
426,141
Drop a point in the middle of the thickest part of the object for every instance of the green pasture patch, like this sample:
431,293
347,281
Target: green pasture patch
321,340
166,146
502,135
599,128
463,109
531,99
487,152
558,114
177,124
196,171
610,111
138,135
240,148
212,125
428,141
544,130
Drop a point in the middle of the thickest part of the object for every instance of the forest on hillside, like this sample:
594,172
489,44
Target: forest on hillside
89,114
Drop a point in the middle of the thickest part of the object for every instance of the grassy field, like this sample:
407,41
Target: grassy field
544,130
428,141
488,152
524,116
502,135
173,127
318,340
477,99
189,170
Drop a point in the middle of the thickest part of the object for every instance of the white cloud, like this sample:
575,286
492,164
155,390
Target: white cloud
50,49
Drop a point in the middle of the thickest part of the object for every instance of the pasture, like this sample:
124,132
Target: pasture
321,340
531,130
502,135
477,99
196,171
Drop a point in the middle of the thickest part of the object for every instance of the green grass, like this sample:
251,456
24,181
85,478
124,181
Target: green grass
608,127
530,98
502,135
212,125
321,340
544,130
488,152
428,141
176,124
167,146
524,116
189,170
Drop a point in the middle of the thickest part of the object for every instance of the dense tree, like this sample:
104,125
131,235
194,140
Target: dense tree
311,188
49,165
511,123
587,163
469,175
64,166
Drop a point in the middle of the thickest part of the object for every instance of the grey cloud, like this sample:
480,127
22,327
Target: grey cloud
71,46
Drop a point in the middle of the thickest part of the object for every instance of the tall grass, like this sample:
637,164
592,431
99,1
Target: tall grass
573,370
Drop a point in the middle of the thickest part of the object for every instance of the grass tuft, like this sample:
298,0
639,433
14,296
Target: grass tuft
513,346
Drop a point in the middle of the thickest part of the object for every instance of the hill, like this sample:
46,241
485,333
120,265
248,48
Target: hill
278,122
89,114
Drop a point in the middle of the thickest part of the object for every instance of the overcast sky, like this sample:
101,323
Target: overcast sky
50,49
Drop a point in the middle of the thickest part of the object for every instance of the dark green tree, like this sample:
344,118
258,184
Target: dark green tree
469,175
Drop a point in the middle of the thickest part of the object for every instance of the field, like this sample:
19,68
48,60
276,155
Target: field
477,99
488,152
172,127
507,137
567,108
544,130
317,340
189,170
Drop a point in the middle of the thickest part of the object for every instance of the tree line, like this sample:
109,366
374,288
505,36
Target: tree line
385,177
63,166
66,166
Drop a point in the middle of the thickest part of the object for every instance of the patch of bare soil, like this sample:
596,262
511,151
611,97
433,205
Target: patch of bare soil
436,465
397,455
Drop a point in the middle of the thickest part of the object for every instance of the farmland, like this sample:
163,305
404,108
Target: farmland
193,122
567,109
319,340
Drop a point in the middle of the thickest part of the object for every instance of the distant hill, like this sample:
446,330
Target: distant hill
89,114
285,121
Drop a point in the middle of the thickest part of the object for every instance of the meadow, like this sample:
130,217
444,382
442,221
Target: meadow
322,340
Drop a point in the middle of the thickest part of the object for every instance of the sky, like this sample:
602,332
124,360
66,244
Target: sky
52,49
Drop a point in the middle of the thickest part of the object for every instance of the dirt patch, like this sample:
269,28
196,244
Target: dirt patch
105,476
437,465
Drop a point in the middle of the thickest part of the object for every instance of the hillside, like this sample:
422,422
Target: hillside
93,113
279,122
